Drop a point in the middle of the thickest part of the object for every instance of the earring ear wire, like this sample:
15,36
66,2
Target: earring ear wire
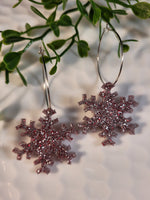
107,28
45,80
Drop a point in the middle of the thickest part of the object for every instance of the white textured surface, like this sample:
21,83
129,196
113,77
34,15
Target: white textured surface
98,173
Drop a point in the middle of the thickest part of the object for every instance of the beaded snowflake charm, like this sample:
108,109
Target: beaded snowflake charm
46,142
108,114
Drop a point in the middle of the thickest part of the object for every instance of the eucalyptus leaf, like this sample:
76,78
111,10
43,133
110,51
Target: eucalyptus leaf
15,5
65,20
2,66
51,18
37,12
81,8
10,40
53,70
83,48
11,60
120,3
36,2
106,13
10,33
96,12
141,10
53,49
46,59
125,48
56,44
27,26
120,12
55,28
91,14
22,77
64,4
130,40
50,4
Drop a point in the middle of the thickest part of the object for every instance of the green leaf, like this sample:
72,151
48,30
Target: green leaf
91,14
120,12
96,12
55,28
141,10
10,33
130,40
15,5
64,4
2,66
46,59
1,42
56,44
52,48
36,2
27,26
120,3
53,70
83,48
50,4
125,48
11,60
11,40
65,20
22,77
106,13
37,12
51,18
81,8
48,55
97,15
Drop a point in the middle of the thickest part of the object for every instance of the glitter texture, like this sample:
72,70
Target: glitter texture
108,114
46,142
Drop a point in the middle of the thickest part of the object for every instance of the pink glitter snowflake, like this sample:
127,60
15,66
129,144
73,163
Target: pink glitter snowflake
46,142
108,114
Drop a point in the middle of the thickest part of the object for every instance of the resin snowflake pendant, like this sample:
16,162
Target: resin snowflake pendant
108,114
46,143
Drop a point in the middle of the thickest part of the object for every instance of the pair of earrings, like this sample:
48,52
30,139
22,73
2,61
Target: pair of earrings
47,142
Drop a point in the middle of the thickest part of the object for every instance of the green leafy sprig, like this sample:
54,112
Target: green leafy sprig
92,11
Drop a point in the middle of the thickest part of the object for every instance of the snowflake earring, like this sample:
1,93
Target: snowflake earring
46,142
108,110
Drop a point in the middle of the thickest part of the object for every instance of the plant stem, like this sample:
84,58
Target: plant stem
76,26
27,46
69,46
34,27
75,9
46,50
42,36
6,76
36,2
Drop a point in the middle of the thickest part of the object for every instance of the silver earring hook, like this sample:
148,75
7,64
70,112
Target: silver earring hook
121,52
45,80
